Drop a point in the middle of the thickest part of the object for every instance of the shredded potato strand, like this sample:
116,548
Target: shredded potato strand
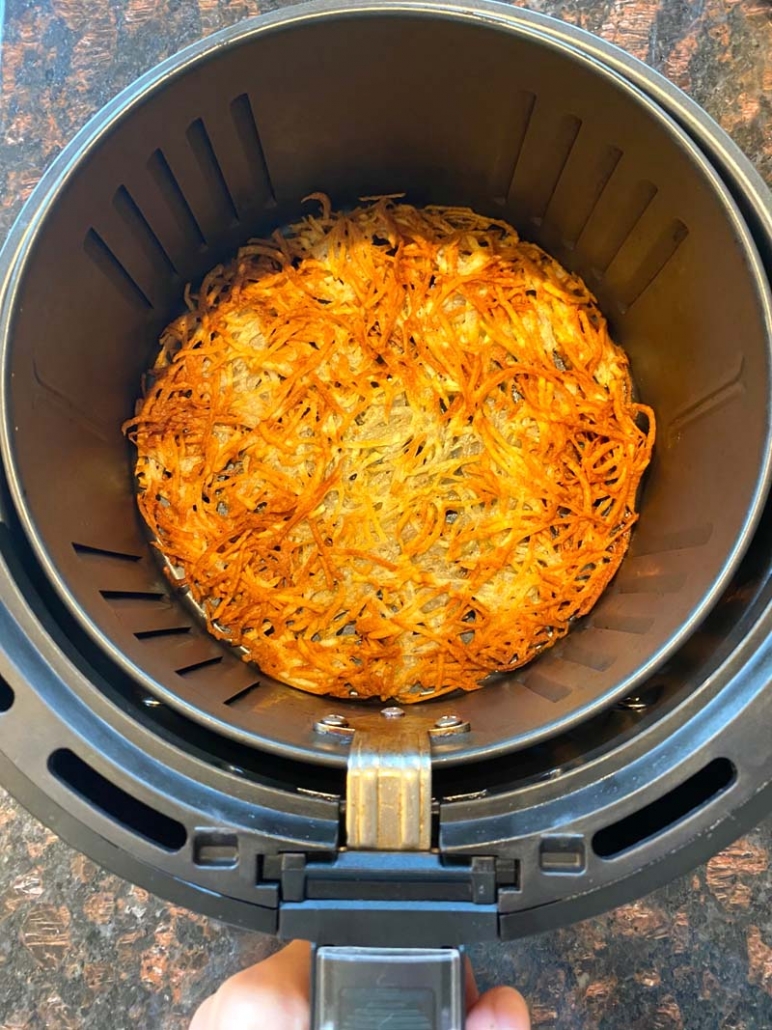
391,451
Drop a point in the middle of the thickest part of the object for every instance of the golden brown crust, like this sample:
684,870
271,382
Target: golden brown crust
391,451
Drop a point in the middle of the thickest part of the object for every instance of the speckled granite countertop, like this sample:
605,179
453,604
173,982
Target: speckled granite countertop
81,948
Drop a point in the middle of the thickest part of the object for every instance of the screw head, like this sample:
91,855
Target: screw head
634,703
447,721
450,725
393,712
334,720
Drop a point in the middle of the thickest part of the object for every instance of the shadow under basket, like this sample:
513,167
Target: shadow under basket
448,111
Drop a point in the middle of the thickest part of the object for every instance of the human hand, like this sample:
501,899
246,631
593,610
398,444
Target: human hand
275,994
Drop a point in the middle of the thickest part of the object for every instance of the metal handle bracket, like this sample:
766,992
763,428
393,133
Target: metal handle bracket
388,788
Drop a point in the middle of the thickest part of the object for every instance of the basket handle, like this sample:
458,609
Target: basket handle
360,988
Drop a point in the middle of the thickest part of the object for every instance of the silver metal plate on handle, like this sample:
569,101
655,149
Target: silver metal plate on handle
389,788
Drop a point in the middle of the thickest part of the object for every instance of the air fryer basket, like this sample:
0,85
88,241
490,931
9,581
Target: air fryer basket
142,741
575,157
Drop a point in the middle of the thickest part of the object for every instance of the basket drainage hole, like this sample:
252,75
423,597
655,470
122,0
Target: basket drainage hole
114,802
7,696
685,799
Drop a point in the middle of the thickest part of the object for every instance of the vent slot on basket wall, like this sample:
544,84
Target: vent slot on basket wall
170,190
170,631
188,670
203,151
81,778
87,552
652,820
140,230
114,270
246,129
7,696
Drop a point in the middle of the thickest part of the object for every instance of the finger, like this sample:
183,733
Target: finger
272,994
201,1019
471,994
290,968
503,1008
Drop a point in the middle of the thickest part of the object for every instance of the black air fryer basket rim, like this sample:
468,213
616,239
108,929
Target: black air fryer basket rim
727,716
32,219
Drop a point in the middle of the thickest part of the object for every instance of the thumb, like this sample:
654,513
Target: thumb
272,995
503,1008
